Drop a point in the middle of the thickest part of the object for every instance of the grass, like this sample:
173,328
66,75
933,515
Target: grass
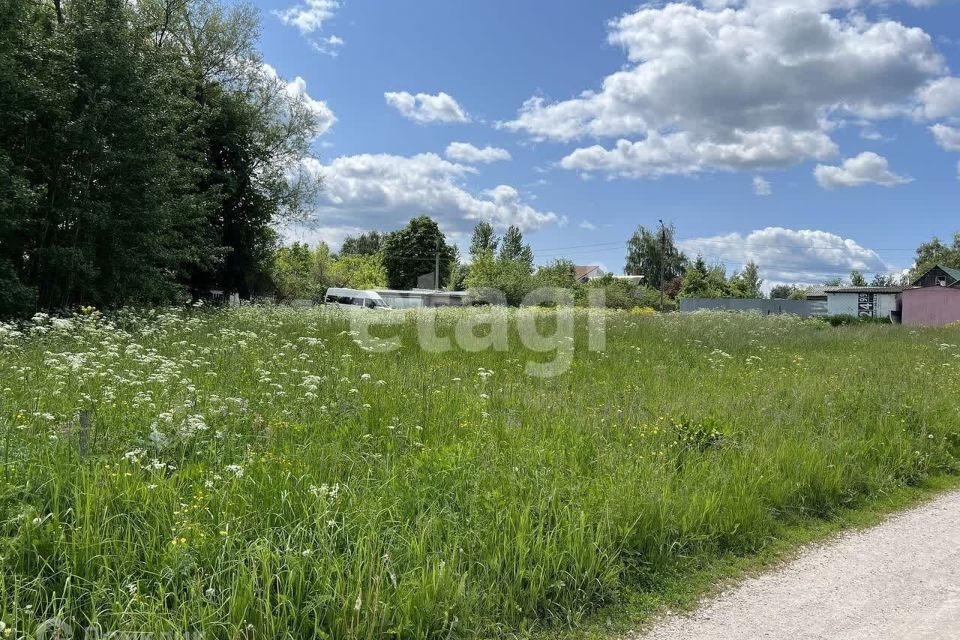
255,473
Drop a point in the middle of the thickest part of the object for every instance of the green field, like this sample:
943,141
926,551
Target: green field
255,473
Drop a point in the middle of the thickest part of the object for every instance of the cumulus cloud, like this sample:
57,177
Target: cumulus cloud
296,90
385,191
736,85
789,255
947,137
586,224
308,17
466,152
866,168
424,108
940,99
762,187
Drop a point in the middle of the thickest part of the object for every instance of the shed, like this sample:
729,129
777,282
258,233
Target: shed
934,306
938,276
863,302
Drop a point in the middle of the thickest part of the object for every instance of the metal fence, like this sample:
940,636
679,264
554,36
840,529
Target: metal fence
803,308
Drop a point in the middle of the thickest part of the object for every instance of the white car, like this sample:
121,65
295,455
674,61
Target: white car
354,298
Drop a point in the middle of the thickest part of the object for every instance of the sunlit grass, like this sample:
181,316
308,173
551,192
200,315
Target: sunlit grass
254,473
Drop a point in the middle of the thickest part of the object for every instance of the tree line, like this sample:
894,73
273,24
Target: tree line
146,153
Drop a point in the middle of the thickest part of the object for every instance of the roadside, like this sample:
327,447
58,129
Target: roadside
690,587
900,579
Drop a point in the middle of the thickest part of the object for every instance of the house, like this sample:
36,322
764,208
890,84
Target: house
864,302
586,273
933,299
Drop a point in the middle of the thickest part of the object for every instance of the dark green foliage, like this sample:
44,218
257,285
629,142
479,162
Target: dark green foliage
483,239
366,244
131,167
409,255
842,320
648,251
512,247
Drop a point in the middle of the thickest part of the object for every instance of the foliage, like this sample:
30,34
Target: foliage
365,244
512,248
143,152
857,279
747,283
294,273
252,472
935,252
842,320
489,273
409,255
787,292
483,240
358,272
647,252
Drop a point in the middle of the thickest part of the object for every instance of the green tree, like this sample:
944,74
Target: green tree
783,291
358,271
409,255
560,273
294,273
647,252
934,253
365,244
512,248
512,278
747,283
484,239
857,279
702,281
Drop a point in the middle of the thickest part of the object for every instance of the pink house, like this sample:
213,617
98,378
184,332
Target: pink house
930,306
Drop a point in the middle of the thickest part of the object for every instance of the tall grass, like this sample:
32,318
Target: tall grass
253,473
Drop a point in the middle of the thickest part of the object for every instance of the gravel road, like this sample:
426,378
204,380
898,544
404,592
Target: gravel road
899,580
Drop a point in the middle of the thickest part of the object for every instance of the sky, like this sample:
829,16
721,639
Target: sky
810,136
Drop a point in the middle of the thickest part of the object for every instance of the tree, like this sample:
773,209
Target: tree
747,283
857,279
512,247
934,253
782,291
647,252
294,273
701,281
366,244
881,280
358,272
409,255
484,239
560,273
512,278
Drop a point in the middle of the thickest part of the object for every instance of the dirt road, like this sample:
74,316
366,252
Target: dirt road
899,580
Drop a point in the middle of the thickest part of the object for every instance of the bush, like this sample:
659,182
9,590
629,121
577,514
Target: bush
845,319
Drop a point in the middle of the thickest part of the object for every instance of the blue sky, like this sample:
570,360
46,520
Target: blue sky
812,136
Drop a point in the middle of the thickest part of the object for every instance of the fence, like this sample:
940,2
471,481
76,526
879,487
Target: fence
803,308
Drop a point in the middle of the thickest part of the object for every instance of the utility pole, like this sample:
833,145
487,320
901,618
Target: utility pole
663,260
436,268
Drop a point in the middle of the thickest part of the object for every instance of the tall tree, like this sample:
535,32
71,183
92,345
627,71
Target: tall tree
936,252
484,239
512,247
857,279
747,283
365,244
648,251
409,255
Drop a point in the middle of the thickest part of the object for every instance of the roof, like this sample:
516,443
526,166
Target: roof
582,271
864,289
816,292
953,273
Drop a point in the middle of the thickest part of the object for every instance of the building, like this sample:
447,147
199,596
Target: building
864,302
586,273
414,298
933,299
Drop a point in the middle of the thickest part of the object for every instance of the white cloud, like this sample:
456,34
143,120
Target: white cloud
466,152
425,108
789,255
940,99
296,89
751,85
586,224
762,187
384,191
866,168
947,137
310,15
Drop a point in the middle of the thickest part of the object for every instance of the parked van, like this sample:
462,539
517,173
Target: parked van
354,298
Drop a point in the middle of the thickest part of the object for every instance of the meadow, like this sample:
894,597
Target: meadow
254,473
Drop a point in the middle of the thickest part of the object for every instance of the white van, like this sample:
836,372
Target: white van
353,298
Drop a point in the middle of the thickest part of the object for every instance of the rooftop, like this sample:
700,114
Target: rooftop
864,289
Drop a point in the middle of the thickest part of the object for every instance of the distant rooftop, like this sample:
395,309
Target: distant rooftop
864,289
